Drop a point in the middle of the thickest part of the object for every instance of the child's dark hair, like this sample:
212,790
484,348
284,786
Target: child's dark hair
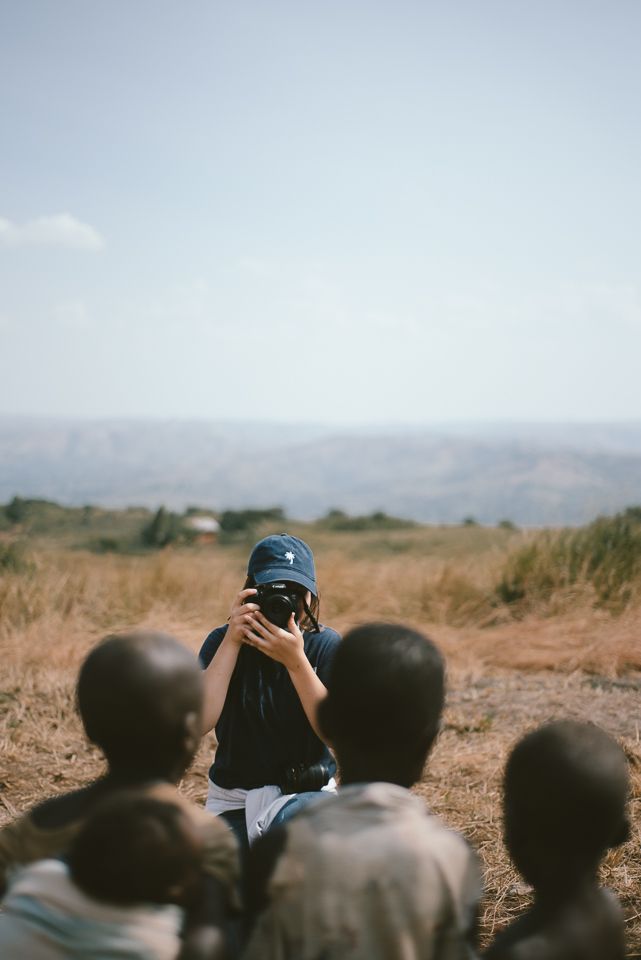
134,694
565,790
386,692
136,849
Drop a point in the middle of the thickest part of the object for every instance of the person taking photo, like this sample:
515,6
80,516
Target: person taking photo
266,672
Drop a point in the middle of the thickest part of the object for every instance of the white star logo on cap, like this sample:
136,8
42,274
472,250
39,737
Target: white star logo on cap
290,556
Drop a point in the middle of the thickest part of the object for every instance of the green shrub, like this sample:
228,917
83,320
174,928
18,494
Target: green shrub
507,525
241,521
13,558
604,557
246,526
16,510
339,520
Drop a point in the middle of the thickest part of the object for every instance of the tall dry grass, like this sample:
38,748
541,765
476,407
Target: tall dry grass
64,601
505,674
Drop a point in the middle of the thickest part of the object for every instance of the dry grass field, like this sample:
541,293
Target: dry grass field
505,674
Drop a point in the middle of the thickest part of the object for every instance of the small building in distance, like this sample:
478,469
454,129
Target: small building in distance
204,528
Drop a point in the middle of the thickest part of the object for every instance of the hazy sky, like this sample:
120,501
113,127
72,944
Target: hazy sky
336,211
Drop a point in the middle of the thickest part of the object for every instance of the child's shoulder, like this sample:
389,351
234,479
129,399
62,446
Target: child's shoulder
522,940
589,926
381,818
46,831
59,812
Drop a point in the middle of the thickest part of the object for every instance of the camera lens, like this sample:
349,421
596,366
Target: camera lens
278,608
301,779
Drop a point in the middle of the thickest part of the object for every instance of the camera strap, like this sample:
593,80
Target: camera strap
310,616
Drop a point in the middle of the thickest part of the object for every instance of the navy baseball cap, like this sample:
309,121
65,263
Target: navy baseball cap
281,557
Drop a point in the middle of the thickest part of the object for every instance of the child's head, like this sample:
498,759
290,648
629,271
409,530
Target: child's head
565,791
140,699
137,849
384,703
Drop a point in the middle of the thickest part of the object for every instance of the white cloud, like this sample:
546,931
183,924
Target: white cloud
60,230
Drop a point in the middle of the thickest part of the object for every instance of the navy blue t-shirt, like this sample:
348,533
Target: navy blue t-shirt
262,729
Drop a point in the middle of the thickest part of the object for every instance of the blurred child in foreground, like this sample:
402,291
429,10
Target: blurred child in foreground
131,870
369,874
565,792
140,698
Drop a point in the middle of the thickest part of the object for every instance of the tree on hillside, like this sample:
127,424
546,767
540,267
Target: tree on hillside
163,528
16,510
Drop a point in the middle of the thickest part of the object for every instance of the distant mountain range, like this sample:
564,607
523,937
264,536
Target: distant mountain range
534,474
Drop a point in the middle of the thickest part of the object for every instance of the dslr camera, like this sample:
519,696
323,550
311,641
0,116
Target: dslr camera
277,602
302,778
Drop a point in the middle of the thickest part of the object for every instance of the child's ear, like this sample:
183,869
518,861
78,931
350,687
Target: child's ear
175,893
192,731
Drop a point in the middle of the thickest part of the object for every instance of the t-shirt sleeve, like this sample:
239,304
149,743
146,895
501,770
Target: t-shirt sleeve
210,646
326,651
